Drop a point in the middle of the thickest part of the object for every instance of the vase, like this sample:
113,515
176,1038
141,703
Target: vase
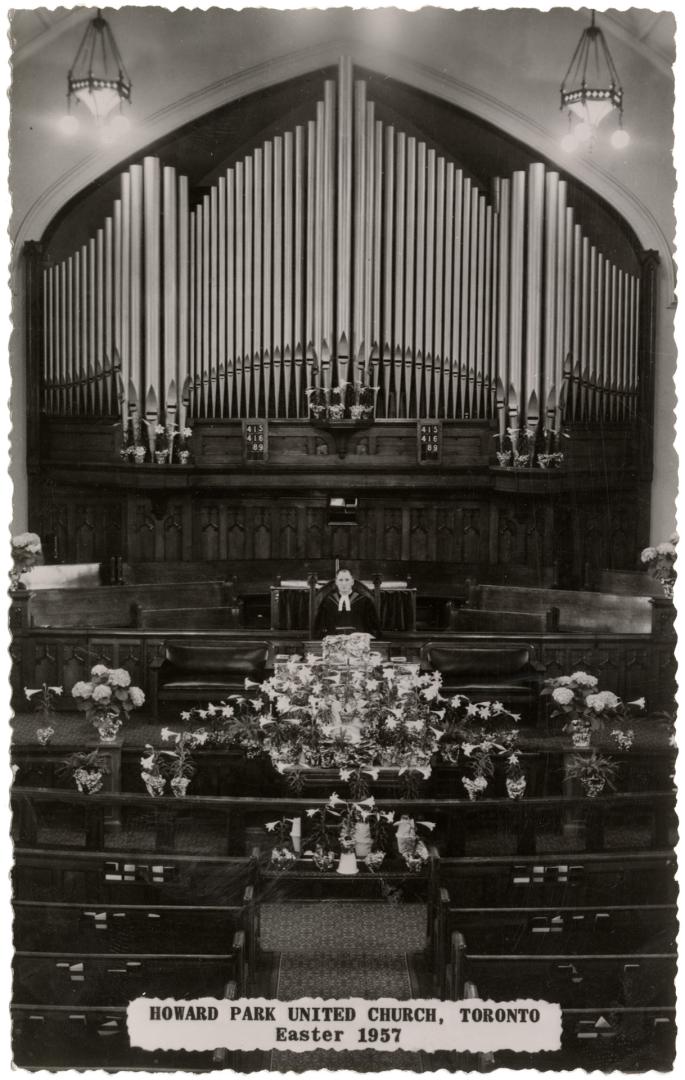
88,781
108,729
348,863
593,786
581,739
184,456
179,786
161,456
155,785
362,839
516,786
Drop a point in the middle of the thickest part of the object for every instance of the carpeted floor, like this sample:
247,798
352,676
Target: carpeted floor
344,928
337,950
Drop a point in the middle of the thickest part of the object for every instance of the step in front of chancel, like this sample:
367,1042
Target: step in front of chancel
329,926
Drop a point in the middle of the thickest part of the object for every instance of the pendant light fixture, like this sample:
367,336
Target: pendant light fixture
591,91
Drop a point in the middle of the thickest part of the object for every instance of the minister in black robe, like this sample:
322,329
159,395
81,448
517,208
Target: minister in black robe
346,610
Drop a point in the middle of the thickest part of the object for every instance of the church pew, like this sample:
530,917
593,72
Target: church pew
49,925
68,1037
561,878
88,978
189,618
577,610
632,820
125,877
479,619
115,605
196,672
554,929
570,979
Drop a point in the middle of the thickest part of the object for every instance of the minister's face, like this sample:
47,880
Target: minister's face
344,581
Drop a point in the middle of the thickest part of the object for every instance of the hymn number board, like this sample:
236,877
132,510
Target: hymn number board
429,442
255,440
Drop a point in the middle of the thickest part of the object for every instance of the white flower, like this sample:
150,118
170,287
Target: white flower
166,734
471,709
99,671
666,549
371,771
311,813
257,705
648,555
581,678
345,775
250,684
283,703
82,690
102,693
136,696
639,703
148,761
29,693
119,677
562,695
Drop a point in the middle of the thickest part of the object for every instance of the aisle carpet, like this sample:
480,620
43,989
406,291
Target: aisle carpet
336,950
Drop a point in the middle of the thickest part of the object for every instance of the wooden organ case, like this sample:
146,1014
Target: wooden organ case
346,251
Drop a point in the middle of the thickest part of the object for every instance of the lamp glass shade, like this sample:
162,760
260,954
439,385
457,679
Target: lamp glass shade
100,100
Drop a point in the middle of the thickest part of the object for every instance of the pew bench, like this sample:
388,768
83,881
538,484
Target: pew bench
573,611
196,672
488,671
571,979
50,1036
189,618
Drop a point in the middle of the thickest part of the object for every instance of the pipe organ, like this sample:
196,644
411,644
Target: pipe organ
345,250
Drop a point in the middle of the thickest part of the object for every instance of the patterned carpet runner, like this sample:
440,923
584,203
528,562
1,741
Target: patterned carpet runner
337,950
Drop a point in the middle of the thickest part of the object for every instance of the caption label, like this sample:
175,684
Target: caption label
346,1024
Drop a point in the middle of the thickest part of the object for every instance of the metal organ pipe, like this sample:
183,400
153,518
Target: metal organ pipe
342,250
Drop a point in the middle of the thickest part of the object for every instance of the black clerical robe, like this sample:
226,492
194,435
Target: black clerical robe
361,618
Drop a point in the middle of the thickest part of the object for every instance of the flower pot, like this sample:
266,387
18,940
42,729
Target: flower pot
593,786
324,860
161,456
362,839
139,458
179,786
155,784
348,863
474,788
184,457
516,786
44,735
374,860
667,586
88,781
581,739
108,729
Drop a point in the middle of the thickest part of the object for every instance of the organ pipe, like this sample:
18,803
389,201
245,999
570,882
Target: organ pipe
342,250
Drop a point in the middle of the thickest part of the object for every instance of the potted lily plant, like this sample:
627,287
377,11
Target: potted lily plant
177,764
87,769
44,706
411,846
594,771
282,853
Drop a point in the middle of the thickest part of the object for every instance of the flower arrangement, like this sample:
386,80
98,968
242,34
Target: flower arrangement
134,452
311,714
410,845
26,550
282,854
595,772
152,771
163,442
183,451
348,401
588,710
177,764
660,563
107,698
550,461
87,770
520,451
477,735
